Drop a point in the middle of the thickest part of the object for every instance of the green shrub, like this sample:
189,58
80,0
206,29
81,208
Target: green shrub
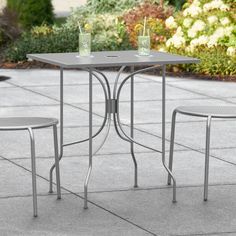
9,29
105,6
207,30
32,13
53,40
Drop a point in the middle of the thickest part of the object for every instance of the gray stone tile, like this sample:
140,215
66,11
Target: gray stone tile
150,111
17,96
16,143
115,172
217,89
72,115
193,134
5,85
61,218
227,154
15,181
153,210
37,77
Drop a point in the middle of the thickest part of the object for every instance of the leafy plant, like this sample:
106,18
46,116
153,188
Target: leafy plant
205,27
32,12
9,29
54,40
156,16
105,6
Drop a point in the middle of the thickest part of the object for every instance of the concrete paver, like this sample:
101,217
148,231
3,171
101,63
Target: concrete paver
116,208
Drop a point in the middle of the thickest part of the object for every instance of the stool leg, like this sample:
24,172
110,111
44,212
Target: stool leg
57,161
33,169
207,153
172,139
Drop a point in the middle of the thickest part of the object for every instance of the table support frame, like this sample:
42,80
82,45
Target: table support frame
112,110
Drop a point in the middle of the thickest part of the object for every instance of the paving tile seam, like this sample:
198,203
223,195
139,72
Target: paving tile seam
177,79
198,93
117,153
54,99
203,94
205,234
114,190
91,202
185,146
76,84
102,102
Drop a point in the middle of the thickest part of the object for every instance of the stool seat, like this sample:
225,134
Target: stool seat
205,111
21,123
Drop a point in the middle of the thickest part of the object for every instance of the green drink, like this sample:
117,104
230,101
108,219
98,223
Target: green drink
84,44
144,45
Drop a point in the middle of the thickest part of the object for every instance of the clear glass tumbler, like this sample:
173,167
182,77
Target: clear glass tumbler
84,44
144,45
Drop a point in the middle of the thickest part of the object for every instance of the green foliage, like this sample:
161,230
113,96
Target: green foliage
32,12
177,3
58,40
213,61
104,6
9,29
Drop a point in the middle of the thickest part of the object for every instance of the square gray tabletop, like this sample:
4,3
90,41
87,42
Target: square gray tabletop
110,59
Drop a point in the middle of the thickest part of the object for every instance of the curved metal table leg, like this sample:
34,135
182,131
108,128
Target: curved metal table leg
164,130
130,139
208,130
90,139
33,168
61,130
132,129
172,143
57,161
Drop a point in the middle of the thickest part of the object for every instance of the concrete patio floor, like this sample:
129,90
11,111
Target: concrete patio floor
115,207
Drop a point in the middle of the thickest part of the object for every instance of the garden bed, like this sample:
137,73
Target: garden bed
204,29
173,72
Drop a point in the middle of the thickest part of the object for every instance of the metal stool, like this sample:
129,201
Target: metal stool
31,123
201,111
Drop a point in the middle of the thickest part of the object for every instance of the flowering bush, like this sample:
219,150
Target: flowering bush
205,25
108,30
156,17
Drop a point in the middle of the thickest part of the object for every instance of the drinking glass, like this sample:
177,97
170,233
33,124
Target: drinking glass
144,45
84,44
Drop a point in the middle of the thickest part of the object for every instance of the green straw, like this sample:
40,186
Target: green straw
80,29
144,25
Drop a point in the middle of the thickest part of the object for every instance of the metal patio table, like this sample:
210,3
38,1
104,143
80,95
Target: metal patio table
106,59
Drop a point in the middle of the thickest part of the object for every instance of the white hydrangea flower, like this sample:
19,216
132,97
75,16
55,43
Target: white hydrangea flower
192,33
192,10
190,48
187,22
231,51
179,31
198,25
177,40
228,30
213,39
212,19
224,7
220,32
196,3
224,21
202,40
162,50
170,22
215,4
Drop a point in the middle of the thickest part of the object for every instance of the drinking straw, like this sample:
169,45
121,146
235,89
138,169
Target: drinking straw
80,29
144,25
